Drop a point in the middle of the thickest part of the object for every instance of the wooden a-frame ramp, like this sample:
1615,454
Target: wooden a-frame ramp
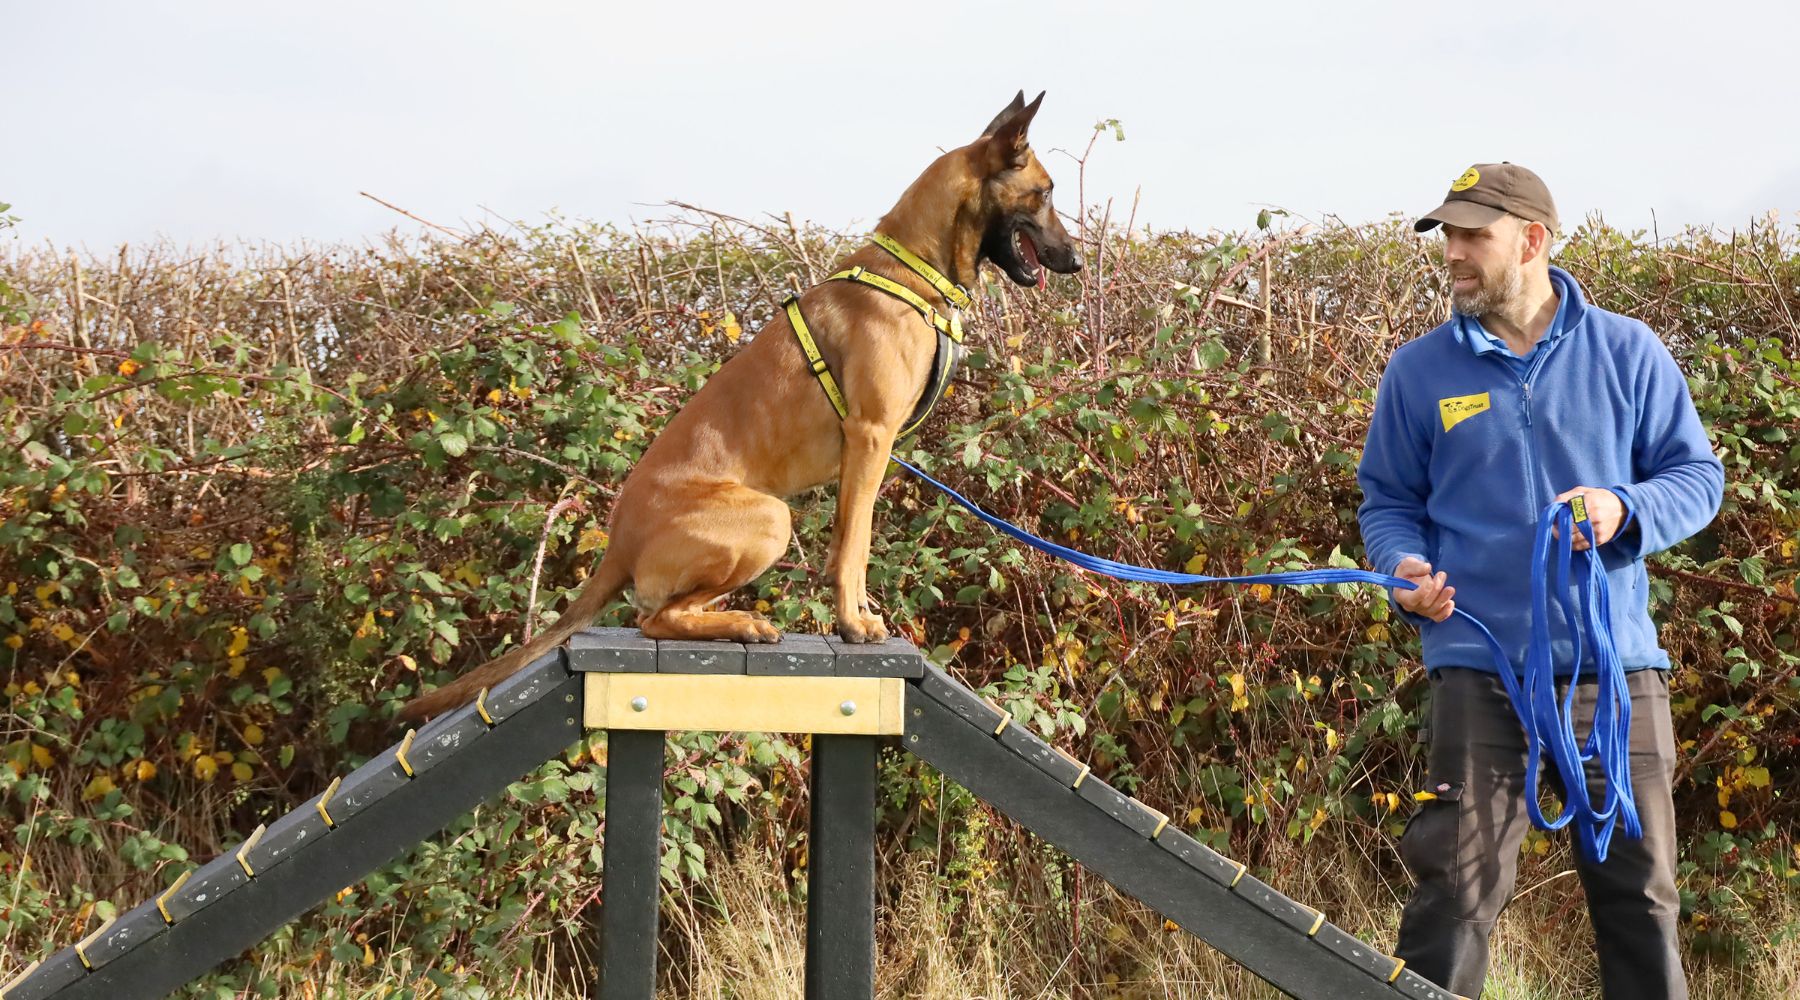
849,696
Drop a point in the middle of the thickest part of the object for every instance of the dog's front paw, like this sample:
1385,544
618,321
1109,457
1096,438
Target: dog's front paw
861,626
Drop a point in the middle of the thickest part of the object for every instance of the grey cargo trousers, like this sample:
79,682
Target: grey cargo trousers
1463,847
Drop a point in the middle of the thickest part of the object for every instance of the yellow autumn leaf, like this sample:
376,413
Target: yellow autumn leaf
242,771
98,788
128,368
1331,739
15,641
205,768
42,757
1728,819
240,641
253,735
1262,591
62,631
1377,632
145,770
236,668
593,538
732,330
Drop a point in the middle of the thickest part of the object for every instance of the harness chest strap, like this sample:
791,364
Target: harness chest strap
949,351
814,360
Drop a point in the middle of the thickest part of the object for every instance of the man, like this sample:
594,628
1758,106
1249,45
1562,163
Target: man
1528,395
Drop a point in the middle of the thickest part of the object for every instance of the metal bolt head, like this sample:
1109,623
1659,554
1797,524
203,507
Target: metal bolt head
640,703
848,708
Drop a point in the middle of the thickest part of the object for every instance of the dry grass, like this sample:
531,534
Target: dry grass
749,943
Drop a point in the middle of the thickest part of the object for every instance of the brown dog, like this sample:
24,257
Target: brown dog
702,513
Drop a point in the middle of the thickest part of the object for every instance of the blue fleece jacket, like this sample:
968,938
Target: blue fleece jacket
1464,452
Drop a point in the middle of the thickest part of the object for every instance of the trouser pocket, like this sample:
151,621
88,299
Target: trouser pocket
1429,845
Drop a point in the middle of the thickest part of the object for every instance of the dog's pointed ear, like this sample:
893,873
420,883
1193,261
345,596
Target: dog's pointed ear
1009,138
1017,105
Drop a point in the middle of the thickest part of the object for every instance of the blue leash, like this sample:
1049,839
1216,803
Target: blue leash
1548,723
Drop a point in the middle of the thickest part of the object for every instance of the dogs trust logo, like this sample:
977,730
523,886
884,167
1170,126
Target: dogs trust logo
1469,179
1456,409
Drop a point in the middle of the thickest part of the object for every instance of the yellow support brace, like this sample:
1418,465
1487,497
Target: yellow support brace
481,708
1162,819
1085,769
16,980
852,706
330,790
243,850
82,946
400,753
162,901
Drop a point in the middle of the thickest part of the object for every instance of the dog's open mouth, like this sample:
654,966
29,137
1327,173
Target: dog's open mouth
1027,251
1011,247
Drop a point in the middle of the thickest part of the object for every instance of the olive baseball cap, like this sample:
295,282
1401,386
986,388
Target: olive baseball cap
1486,191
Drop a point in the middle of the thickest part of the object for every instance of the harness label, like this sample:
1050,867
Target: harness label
1456,409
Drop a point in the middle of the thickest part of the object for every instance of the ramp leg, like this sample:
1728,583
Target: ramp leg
840,899
631,865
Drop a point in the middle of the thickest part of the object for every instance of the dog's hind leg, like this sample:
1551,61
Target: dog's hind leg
715,545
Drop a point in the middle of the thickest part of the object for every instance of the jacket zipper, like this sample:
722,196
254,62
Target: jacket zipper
1531,466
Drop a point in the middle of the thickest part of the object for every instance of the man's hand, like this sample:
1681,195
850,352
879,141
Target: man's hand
1604,508
1432,599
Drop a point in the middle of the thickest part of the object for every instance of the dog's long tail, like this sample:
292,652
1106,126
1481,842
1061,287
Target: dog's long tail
608,580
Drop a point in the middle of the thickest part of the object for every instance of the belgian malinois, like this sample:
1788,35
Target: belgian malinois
702,513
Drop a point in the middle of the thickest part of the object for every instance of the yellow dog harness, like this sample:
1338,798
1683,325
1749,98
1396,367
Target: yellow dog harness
949,329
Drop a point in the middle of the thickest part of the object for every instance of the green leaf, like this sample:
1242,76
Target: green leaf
241,553
453,443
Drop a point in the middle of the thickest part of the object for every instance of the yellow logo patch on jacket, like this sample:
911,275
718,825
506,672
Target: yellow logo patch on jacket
1456,409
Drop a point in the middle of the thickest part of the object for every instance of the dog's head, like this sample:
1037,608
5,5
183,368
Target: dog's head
1021,233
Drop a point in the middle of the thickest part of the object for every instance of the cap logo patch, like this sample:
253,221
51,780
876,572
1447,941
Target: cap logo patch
1469,179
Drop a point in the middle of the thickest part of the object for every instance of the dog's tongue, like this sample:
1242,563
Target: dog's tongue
1031,257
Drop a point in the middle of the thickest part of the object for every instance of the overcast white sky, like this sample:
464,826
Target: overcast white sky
204,120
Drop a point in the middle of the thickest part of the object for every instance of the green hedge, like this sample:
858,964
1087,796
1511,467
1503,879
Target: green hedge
248,501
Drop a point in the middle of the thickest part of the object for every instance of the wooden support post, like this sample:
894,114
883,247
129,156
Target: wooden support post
840,898
632,865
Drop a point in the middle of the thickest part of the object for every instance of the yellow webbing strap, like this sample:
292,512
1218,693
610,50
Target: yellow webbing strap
950,326
953,293
820,369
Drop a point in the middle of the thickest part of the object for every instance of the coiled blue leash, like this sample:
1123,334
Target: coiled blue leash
1547,721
